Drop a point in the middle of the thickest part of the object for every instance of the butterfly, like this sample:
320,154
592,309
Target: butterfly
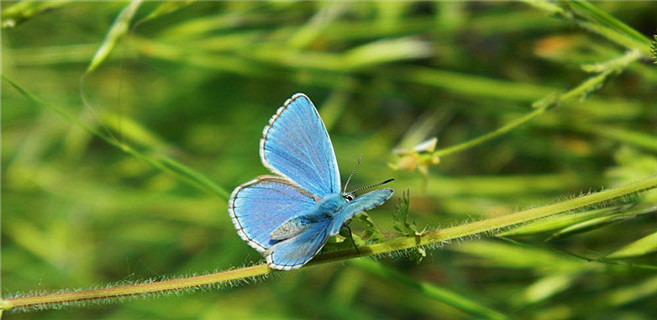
289,216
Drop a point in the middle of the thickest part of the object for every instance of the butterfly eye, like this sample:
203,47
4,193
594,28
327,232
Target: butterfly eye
349,197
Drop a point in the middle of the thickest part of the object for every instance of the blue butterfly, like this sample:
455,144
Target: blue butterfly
288,217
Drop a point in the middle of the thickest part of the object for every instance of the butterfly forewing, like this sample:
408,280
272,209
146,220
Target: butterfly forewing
296,145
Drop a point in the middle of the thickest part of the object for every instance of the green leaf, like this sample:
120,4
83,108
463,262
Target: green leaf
619,214
372,233
400,217
409,229
119,28
167,7
24,10
588,225
556,222
639,247
495,254
548,286
617,29
161,161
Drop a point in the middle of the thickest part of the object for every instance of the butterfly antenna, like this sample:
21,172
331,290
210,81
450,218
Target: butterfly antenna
373,185
360,157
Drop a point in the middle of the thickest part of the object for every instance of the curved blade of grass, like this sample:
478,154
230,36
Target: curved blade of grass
166,8
472,85
556,222
597,21
602,18
317,24
387,51
133,131
52,55
160,162
639,247
119,28
513,256
600,222
24,10
366,55
588,226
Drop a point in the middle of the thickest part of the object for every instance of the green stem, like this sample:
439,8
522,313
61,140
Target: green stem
51,300
433,237
491,135
494,224
591,84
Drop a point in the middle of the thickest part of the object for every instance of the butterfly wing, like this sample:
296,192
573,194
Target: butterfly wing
295,144
362,203
261,205
293,253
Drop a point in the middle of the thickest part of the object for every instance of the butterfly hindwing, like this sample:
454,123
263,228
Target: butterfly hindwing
295,144
261,205
298,250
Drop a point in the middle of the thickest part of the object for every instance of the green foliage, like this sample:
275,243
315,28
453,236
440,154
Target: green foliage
400,217
401,223
120,176
20,12
642,246
371,232
119,29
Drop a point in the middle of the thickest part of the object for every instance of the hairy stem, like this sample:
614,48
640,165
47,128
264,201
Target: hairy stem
433,237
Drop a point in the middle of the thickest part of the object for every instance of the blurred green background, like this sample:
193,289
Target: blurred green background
197,81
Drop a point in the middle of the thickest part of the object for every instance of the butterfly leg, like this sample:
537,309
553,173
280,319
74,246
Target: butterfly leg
351,236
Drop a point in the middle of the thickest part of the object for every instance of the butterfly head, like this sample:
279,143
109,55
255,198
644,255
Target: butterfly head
351,195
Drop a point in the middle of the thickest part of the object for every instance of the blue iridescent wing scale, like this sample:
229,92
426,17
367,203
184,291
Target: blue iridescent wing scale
261,205
296,145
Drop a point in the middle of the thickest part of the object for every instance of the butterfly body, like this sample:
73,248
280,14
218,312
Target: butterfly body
288,217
